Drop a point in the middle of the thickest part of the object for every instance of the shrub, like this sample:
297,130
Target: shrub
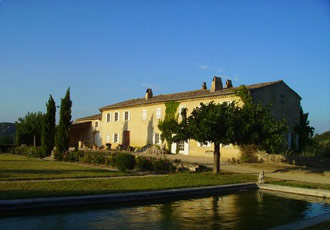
73,156
161,165
124,161
248,153
143,164
28,151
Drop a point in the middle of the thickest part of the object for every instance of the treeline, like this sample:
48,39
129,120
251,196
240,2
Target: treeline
40,129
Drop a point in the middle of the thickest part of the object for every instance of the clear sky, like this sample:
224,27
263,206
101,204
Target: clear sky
110,51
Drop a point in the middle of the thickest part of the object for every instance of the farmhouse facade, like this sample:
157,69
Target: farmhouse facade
135,122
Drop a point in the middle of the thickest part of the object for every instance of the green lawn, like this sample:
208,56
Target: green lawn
299,184
15,167
23,189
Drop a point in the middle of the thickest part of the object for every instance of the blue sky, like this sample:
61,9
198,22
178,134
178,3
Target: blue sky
109,51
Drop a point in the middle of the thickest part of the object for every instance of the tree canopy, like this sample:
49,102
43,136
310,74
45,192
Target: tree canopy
28,129
304,130
62,137
227,123
48,127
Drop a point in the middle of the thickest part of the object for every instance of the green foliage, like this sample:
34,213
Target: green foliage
248,153
163,165
144,164
48,127
254,124
169,125
62,137
29,151
211,123
125,161
305,131
322,138
28,129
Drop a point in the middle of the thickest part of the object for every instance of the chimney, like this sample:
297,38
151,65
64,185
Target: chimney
229,84
216,84
148,94
204,85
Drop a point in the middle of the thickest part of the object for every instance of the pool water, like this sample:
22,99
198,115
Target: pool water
244,210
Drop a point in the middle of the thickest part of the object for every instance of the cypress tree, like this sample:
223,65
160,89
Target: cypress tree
48,127
62,137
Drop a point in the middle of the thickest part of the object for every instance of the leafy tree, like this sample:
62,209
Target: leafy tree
255,125
209,123
304,130
29,128
62,137
48,127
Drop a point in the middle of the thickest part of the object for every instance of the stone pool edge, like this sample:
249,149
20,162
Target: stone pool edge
296,190
115,198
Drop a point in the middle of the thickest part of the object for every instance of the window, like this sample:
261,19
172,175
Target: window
108,137
201,144
115,138
181,146
96,124
108,117
158,113
116,116
144,114
127,116
157,139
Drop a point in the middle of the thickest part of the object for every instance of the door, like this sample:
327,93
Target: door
181,147
126,139
97,139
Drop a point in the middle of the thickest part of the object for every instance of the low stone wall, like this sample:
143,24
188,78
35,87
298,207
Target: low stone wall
317,162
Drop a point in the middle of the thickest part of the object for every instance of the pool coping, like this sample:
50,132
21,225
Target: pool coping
115,198
296,190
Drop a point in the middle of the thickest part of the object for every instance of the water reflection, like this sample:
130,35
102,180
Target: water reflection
246,210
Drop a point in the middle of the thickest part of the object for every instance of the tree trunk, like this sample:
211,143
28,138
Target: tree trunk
216,159
34,140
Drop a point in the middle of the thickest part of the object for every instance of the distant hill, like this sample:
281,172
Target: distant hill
7,132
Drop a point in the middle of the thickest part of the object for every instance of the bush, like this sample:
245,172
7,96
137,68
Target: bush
144,164
161,165
248,153
124,161
28,151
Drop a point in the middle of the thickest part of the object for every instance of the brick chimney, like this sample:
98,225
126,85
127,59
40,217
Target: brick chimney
204,85
148,94
229,84
216,84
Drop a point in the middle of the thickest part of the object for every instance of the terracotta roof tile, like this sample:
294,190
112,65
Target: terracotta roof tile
183,95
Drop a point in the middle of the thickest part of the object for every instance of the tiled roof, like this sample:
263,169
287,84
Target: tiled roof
202,93
92,117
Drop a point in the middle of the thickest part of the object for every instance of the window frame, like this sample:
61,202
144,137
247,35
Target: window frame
114,116
128,115
108,117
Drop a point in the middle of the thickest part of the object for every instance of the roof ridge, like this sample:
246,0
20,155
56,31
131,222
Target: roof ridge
189,94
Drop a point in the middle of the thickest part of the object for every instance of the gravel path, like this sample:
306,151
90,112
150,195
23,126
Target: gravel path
279,171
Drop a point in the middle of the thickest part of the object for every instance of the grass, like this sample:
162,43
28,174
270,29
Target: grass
16,167
28,189
299,184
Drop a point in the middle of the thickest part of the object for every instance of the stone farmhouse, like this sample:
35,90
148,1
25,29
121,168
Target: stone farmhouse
135,122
